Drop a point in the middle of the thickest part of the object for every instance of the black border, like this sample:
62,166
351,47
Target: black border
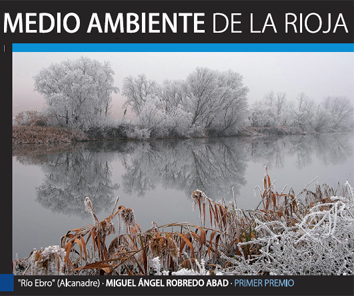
315,285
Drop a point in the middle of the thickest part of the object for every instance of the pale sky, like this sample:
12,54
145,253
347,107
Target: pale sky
317,74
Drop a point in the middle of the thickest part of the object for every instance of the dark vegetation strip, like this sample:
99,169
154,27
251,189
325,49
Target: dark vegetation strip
55,135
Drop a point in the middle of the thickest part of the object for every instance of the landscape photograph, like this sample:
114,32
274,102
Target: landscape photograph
183,163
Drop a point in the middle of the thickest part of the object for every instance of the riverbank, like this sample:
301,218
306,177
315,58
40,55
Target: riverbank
55,135
279,131
45,135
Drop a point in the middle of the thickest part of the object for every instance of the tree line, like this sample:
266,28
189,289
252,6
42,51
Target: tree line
78,95
274,110
207,101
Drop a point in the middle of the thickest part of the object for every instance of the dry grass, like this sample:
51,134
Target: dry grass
49,261
225,232
44,135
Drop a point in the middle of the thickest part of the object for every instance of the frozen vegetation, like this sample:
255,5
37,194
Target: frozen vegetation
207,103
274,110
49,261
311,233
77,93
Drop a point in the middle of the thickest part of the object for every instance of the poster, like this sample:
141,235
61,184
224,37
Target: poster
178,147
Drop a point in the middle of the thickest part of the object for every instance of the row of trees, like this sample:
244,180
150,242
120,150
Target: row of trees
206,101
274,110
78,94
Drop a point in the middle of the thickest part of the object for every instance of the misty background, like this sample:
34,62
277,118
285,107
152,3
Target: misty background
318,75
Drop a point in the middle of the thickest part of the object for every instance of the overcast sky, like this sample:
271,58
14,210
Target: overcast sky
317,74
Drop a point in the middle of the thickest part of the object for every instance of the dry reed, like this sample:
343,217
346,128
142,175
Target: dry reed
231,238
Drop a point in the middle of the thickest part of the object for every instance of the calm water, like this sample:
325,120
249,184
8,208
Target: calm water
157,178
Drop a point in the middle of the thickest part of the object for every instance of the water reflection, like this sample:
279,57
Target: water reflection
71,176
211,165
330,149
214,166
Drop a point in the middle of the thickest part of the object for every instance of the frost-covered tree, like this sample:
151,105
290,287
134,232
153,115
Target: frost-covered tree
340,112
138,91
319,119
333,113
201,95
208,100
217,100
172,94
159,109
304,112
273,110
77,92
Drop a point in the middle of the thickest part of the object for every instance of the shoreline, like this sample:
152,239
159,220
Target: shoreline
55,135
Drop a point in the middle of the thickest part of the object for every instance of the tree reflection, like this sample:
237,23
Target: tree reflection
335,149
330,149
71,176
267,150
212,165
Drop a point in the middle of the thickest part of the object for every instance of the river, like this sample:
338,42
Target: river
157,178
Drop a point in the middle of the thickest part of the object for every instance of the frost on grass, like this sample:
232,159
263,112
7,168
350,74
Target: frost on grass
321,243
163,248
126,217
288,234
49,261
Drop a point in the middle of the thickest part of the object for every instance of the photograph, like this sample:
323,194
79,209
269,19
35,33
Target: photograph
182,164
177,147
